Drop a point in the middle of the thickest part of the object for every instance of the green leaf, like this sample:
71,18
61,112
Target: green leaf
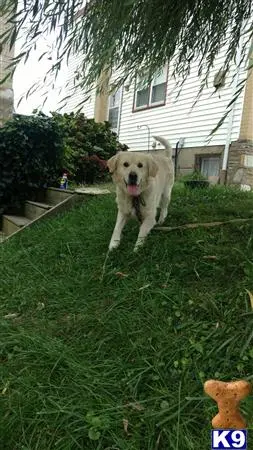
94,434
164,404
7,76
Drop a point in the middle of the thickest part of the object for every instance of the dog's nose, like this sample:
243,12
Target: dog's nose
132,178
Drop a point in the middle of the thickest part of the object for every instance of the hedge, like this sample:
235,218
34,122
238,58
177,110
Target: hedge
35,151
87,145
31,153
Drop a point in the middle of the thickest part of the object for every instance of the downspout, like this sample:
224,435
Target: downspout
179,146
120,109
223,173
175,160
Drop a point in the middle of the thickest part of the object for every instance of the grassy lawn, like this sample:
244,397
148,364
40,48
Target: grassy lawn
82,357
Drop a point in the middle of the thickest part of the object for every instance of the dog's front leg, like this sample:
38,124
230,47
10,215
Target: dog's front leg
145,228
116,235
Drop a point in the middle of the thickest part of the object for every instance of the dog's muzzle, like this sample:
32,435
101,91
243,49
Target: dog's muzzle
132,184
132,179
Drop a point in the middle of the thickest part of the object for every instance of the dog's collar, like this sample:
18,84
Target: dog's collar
137,202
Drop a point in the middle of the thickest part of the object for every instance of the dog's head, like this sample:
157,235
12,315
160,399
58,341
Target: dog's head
132,171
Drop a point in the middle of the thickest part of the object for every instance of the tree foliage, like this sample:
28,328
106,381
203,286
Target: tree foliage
131,35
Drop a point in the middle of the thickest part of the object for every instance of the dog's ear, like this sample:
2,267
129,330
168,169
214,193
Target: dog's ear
152,168
112,163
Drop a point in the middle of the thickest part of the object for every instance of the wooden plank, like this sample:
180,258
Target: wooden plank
203,225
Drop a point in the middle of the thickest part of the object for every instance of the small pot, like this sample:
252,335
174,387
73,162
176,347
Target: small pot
199,184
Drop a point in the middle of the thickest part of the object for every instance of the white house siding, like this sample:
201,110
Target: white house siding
176,119
77,95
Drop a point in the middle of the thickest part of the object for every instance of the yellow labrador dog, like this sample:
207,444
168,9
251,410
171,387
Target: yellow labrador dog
143,184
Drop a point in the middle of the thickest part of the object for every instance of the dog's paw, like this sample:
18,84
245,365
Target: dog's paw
162,217
160,220
113,245
138,245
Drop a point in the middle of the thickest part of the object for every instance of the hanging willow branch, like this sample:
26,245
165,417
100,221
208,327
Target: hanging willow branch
130,35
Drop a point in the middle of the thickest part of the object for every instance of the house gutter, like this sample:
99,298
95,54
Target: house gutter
223,173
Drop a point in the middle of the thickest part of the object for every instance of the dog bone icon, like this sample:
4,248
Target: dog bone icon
228,396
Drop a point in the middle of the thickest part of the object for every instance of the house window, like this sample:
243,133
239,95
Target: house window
148,95
142,95
210,166
114,110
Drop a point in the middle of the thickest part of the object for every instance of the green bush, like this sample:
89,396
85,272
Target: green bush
31,152
196,175
87,145
35,151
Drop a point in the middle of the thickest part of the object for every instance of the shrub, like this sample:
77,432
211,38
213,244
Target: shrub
196,175
87,145
91,169
31,150
35,150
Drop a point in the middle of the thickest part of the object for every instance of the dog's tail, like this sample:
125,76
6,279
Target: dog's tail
166,144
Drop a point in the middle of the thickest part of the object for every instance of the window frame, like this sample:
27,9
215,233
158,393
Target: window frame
116,130
208,159
199,157
150,90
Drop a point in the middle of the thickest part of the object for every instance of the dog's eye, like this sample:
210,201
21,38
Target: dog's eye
126,164
140,165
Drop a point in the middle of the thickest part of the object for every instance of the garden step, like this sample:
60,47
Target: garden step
2,237
11,224
55,196
92,191
33,210
52,202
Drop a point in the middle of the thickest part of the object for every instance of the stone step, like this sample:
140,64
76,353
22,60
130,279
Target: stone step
33,210
2,237
92,191
52,202
11,223
55,195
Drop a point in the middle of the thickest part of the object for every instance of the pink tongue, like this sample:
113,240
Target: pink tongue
133,190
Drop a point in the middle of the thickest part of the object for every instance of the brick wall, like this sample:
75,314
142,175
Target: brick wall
246,130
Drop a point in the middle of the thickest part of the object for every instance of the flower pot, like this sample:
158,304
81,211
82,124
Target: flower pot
196,184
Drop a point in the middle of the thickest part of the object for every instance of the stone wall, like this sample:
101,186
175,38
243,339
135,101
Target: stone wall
188,158
6,91
240,164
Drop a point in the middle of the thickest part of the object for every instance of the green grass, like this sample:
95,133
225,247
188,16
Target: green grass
82,354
